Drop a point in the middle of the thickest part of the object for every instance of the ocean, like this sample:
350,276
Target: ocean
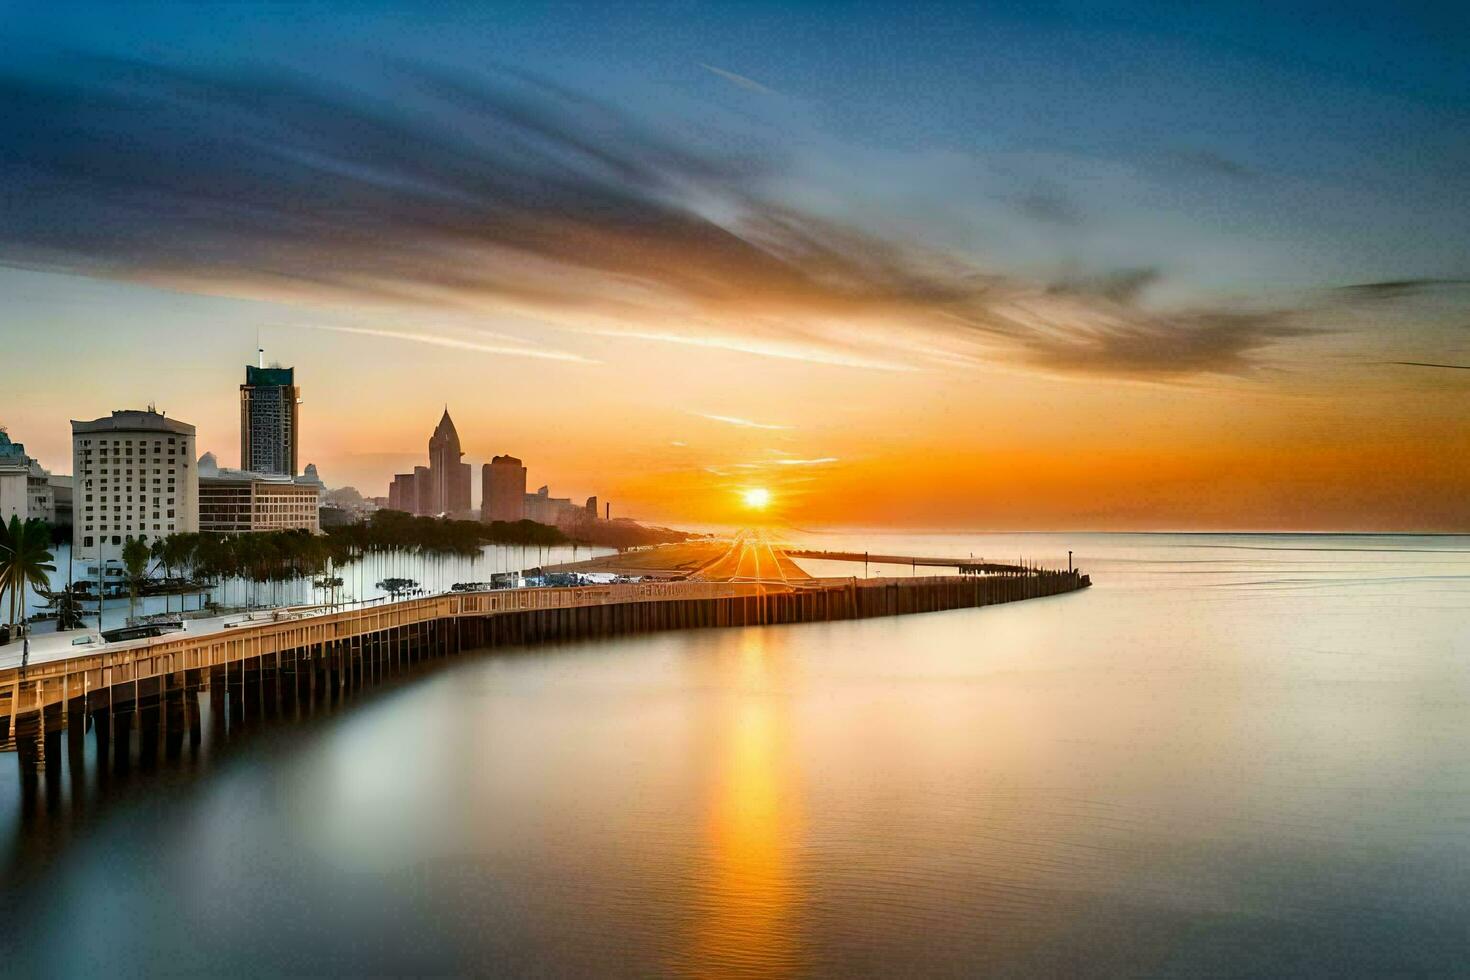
1235,754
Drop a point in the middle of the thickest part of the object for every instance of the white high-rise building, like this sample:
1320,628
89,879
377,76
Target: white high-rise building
133,476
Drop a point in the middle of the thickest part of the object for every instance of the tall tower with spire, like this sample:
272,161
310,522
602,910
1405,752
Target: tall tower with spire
270,419
449,478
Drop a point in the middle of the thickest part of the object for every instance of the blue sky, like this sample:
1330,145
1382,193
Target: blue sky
993,195
1287,144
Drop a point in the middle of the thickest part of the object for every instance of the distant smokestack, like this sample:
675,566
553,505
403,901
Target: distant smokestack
607,510
260,357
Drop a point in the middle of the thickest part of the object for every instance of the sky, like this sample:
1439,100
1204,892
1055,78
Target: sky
998,266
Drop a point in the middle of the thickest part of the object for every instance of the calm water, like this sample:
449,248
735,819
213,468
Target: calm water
1234,754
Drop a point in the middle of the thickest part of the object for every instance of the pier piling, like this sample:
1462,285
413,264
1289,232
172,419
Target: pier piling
286,667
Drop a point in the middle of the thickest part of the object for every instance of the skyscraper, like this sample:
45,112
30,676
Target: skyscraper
449,480
423,492
269,420
503,490
403,494
442,487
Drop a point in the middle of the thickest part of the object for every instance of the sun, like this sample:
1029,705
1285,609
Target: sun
756,498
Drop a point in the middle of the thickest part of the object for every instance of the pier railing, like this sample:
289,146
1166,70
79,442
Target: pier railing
329,649
250,637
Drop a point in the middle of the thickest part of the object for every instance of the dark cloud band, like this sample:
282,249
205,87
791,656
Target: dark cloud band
462,188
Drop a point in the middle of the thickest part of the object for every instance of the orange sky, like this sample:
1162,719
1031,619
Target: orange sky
1321,435
666,310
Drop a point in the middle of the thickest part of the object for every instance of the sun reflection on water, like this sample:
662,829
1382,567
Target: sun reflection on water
743,925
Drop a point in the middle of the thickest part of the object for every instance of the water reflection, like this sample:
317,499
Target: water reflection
749,900
100,765
1219,761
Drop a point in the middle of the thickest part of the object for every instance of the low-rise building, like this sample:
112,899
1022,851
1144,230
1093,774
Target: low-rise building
61,495
543,508
239,501
25,488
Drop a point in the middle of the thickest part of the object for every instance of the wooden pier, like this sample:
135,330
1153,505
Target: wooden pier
265,668
966,566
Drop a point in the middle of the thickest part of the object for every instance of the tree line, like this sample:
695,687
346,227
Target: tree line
258,557
25,560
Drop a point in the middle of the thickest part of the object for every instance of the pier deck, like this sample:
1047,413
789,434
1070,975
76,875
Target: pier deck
258,663
966,566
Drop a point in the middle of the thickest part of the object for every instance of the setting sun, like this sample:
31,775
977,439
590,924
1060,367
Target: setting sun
756,497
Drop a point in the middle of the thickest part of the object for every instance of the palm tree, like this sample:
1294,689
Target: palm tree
174,553
135,555
68,608
157,553
182,551
25,560
5,553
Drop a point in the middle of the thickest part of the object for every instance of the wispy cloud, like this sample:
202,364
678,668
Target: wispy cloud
466,191
749,84
457,343
790,349
819,461
1400,288
1211,163
744,423
1431,364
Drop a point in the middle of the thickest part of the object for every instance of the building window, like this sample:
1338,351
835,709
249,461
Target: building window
87,541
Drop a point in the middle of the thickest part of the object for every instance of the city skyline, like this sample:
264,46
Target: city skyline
763,488
1005,285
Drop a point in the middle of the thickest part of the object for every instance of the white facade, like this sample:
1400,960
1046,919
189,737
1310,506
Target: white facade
25,488
14,480
133,476
40,497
